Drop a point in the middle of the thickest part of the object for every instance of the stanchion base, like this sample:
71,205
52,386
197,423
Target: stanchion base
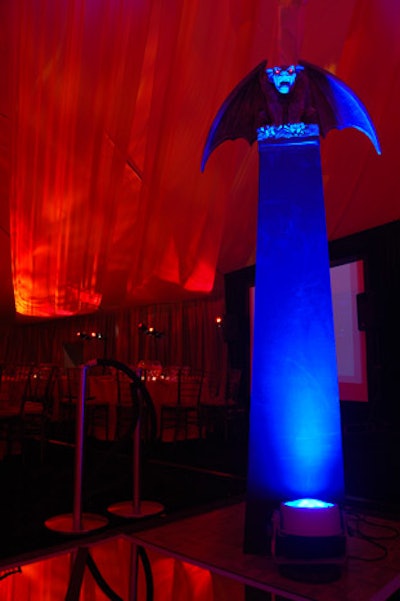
126,509
65,523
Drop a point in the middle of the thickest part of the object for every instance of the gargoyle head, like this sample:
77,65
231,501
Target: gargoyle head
283,78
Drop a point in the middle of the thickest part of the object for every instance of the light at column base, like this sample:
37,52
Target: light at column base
309,541
311,517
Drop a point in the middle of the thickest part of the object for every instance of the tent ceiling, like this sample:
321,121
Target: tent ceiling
105,109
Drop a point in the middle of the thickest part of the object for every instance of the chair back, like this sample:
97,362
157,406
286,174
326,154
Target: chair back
43,377
39,395
214,385
171,372
189,388
125,389
233,381
15,384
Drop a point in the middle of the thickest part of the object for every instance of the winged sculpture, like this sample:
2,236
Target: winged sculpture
284,95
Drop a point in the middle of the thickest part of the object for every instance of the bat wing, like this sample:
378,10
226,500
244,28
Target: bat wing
238,114
337,105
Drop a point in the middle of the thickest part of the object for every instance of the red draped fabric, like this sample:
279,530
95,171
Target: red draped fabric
70,146
103,103
104,115
360,187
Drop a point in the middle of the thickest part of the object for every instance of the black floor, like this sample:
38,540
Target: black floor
181,476
184,477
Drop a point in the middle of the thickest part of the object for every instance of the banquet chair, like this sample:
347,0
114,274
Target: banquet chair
14,390
125,408
184,411
223,407
101,395
37,405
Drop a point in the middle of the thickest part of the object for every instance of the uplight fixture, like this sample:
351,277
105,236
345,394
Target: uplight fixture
309,540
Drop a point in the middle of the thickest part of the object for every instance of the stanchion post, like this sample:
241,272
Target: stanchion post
76,522
79,442
136,463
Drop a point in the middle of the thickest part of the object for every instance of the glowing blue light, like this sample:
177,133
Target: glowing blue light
295,441
309,504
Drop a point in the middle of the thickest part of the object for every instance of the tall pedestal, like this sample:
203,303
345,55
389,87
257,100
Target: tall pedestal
295,447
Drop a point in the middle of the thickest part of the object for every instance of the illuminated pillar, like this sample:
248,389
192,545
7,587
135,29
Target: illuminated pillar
295,447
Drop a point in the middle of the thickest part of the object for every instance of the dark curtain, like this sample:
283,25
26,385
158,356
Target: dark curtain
188,336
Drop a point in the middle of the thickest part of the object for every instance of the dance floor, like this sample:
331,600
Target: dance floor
187,476
194,480
199,557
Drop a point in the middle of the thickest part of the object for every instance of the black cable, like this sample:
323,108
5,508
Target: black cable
150,409
137,386
374,543
392,530
394,533
118,365
357,532
147,572
141,400
106,588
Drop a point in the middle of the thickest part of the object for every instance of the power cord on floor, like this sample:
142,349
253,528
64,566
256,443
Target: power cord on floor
356,524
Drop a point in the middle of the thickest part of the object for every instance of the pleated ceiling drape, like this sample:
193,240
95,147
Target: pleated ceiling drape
106,207
74,102
108,104
360,186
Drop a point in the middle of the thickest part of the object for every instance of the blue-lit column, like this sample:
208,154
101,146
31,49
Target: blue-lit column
295,447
